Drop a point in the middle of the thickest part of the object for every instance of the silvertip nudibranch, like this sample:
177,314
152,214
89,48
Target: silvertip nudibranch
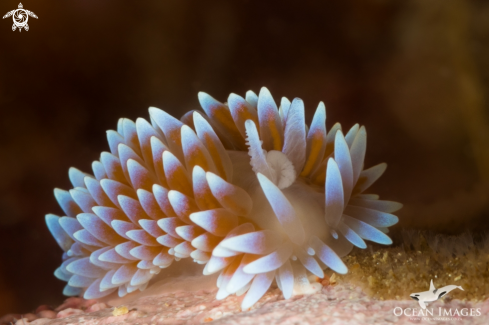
244,188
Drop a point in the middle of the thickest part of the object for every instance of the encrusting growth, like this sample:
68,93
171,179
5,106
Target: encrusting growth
247,189
393,272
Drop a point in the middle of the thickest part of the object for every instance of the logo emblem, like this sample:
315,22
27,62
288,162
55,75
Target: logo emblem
433,294
20,17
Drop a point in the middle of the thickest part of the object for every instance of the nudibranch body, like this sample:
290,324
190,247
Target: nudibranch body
248,189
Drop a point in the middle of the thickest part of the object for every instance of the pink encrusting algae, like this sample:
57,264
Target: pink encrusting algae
246,189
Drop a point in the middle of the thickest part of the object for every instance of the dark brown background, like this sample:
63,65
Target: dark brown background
416,73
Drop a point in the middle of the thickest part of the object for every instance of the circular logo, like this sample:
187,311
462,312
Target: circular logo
20,17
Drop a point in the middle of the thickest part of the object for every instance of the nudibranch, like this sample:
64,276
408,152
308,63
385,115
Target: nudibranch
245,188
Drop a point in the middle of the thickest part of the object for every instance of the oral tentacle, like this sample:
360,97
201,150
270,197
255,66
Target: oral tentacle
283,210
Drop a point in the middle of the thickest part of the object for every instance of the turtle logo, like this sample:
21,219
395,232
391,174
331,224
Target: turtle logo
20,17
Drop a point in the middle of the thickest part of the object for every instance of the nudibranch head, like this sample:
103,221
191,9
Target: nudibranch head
246,188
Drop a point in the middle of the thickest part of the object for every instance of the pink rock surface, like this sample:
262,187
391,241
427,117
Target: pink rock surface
68,312
46,314
97,307
39,321
332,305
77,303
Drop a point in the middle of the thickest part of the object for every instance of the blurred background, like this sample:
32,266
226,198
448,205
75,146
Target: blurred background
415,73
